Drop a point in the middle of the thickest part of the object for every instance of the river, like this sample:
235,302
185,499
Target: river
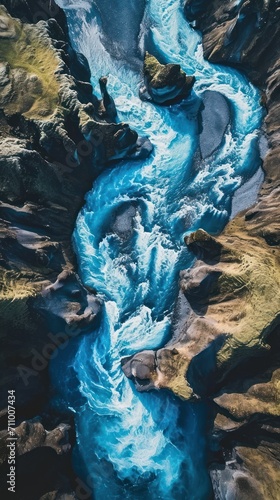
129,244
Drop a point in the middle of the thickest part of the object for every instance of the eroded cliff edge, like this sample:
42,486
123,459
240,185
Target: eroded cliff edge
225,344
56,137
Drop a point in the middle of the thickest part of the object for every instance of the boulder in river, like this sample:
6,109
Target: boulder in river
107,108
164,83
215,118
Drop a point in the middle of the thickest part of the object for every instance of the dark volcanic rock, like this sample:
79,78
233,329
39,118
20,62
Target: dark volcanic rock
33,11
107,108
246,426
245,34
123,221
164,83
66,302
194,8
140,368
43,461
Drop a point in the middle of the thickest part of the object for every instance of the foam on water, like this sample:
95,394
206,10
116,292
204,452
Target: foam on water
150,444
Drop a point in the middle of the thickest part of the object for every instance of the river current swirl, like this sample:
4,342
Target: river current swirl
129,243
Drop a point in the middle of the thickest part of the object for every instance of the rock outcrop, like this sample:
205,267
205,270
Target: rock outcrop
43,460
214,120
229,283
164,83
107,108
225,344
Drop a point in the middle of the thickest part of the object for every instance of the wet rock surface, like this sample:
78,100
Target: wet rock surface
214,120
164,83
123,223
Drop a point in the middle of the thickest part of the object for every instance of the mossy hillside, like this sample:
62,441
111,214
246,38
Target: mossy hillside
245,306
262,398
257,298
16,290
32,66
242,310
263,465
173,367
